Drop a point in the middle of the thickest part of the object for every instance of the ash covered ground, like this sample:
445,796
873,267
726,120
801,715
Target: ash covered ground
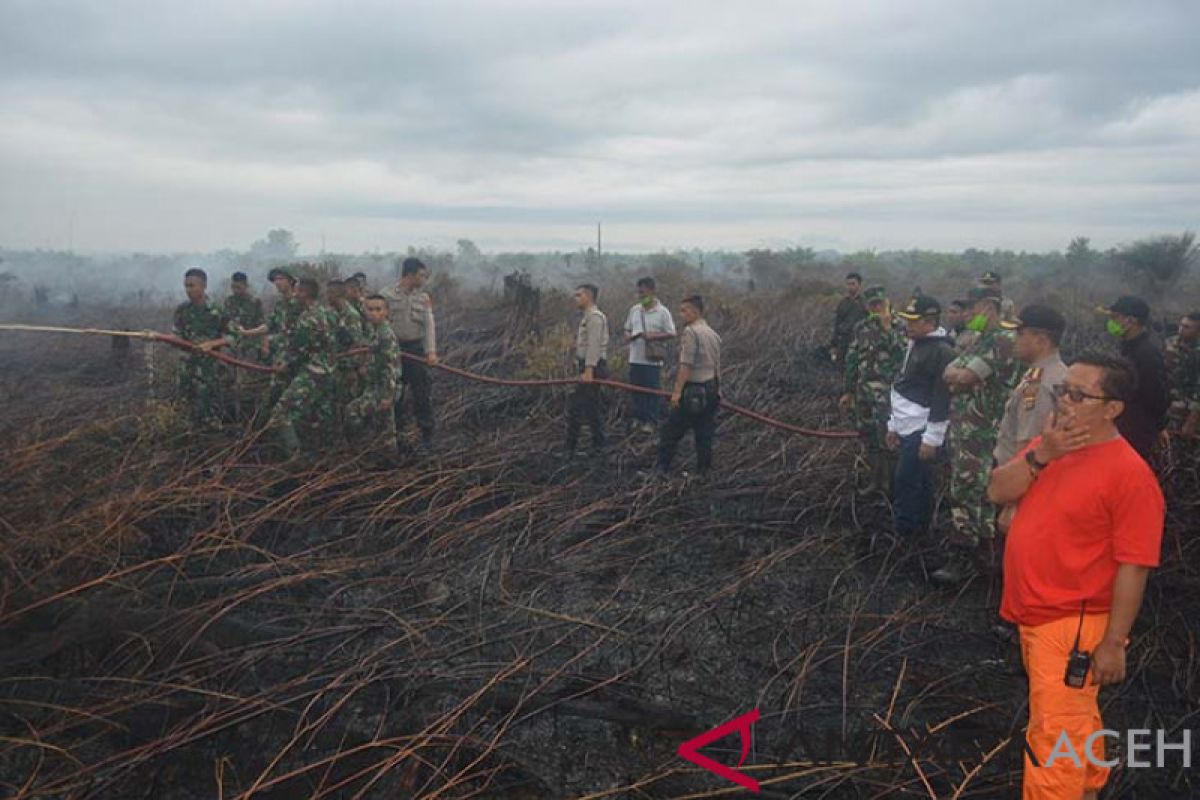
184,617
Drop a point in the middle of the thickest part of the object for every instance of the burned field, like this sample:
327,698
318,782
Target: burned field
185,617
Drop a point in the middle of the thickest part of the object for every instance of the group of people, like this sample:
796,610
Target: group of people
346,367
336,366
1059,459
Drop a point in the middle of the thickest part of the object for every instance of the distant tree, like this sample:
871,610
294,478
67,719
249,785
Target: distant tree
1157,264
279,246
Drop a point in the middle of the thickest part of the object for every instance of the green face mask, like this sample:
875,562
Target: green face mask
1115,328
977,323
647,302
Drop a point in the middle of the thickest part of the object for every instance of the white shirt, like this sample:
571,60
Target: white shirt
656,319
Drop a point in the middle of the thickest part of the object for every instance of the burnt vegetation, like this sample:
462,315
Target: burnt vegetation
183,617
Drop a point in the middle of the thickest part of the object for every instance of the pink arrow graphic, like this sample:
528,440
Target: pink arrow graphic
690,750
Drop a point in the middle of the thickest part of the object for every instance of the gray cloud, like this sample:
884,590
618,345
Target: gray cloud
176,126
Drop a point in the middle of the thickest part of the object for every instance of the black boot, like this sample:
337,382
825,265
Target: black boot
958,569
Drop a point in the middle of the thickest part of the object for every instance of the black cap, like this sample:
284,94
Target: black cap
920,306
1043,318
989,278
1130,306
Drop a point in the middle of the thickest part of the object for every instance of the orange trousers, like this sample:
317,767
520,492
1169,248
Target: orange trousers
1055,707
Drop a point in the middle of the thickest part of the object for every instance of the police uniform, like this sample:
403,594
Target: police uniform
591,351
700,350
1028,407
412,320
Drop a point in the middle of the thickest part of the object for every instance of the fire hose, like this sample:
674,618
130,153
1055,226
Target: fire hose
225,358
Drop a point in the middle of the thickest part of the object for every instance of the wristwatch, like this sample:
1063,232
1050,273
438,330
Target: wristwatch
1035,466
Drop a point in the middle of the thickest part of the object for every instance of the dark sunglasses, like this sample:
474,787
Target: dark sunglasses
1075,395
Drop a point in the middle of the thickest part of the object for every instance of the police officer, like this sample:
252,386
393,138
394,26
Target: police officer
591,359
697,393
412,319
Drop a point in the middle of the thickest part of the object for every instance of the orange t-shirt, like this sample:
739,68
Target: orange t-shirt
1087,512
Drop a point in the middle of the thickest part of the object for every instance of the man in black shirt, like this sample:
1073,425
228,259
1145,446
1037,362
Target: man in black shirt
1145,413
850,311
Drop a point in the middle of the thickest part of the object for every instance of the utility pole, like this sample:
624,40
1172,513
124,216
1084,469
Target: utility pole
599,248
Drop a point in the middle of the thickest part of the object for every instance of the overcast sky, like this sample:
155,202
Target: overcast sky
193,126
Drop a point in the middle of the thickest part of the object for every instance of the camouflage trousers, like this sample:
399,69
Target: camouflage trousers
307,405
972,515
871,411
370,415
201,390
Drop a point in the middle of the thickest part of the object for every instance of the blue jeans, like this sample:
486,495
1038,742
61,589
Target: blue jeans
646,407
912,499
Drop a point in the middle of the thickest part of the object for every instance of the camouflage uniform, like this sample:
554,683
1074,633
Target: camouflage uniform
872,361
245,387
974,421
348,333
373,406
309,397
199,374
281,320
244,310
1183,378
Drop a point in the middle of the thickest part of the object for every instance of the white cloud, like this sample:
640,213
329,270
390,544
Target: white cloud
172,126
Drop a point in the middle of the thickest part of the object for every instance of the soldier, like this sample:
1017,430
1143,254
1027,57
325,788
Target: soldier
980,381
412,318
309,397
275,330
591,352
992,280
243,310
347,333
697,394
355,291
203,323
373,406
850,311
872,361
1182,354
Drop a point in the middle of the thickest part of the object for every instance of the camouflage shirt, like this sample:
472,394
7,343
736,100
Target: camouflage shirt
1183,373
874,356
992,357
310,341
383,366
244,310
281,320
200,322
348,327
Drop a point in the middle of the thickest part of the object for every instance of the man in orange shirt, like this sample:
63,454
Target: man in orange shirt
1087,531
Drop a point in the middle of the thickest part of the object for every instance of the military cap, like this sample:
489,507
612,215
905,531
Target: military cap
977,293
1043,318
989,278
920,306
874,294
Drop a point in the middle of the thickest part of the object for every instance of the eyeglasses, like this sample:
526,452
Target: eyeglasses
1075,395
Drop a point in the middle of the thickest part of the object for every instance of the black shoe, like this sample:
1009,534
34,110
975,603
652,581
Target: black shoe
958,569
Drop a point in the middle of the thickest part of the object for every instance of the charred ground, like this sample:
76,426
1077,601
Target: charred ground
186,618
